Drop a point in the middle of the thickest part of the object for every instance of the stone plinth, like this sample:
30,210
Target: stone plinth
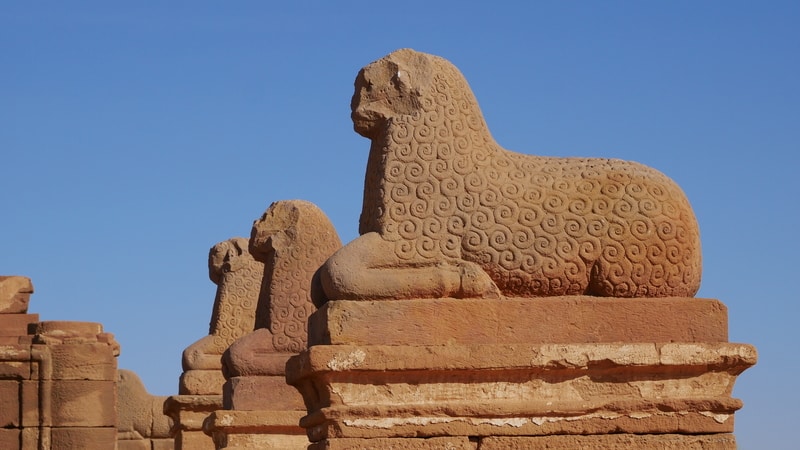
495,369
257,429
613,441
188,413
569,319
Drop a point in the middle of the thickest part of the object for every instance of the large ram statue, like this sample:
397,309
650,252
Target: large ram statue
449,213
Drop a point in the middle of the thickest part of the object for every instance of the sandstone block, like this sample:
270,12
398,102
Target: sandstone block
436,443
234,421
266,393
10,438
83,361
518,389
30,404
10,408
84,438
613,442
574,319
69,330
257,429
163,444
16,324
51,333
15,362
262,441
138,444
201,382
285,421
193,440
35,438
15,294
82,403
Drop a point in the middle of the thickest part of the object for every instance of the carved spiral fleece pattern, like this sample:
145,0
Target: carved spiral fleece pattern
438,186
291,262
290,299
238,278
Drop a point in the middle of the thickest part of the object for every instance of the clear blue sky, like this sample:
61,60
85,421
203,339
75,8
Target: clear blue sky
135,137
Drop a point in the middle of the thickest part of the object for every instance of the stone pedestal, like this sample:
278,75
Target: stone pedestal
188,413
520,373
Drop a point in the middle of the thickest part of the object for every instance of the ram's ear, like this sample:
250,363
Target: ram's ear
216,261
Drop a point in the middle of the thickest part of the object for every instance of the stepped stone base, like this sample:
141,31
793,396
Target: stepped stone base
594,442
188,413
518,390
601,373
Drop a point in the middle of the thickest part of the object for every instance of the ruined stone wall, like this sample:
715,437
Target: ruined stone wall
60,387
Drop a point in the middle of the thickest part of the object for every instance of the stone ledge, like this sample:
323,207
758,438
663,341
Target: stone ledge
256,429
439,443
474,419
566,319
189,411
613,442
208,403
231,421
520,390
357,358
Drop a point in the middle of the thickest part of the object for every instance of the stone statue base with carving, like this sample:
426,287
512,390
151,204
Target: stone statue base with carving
520,373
